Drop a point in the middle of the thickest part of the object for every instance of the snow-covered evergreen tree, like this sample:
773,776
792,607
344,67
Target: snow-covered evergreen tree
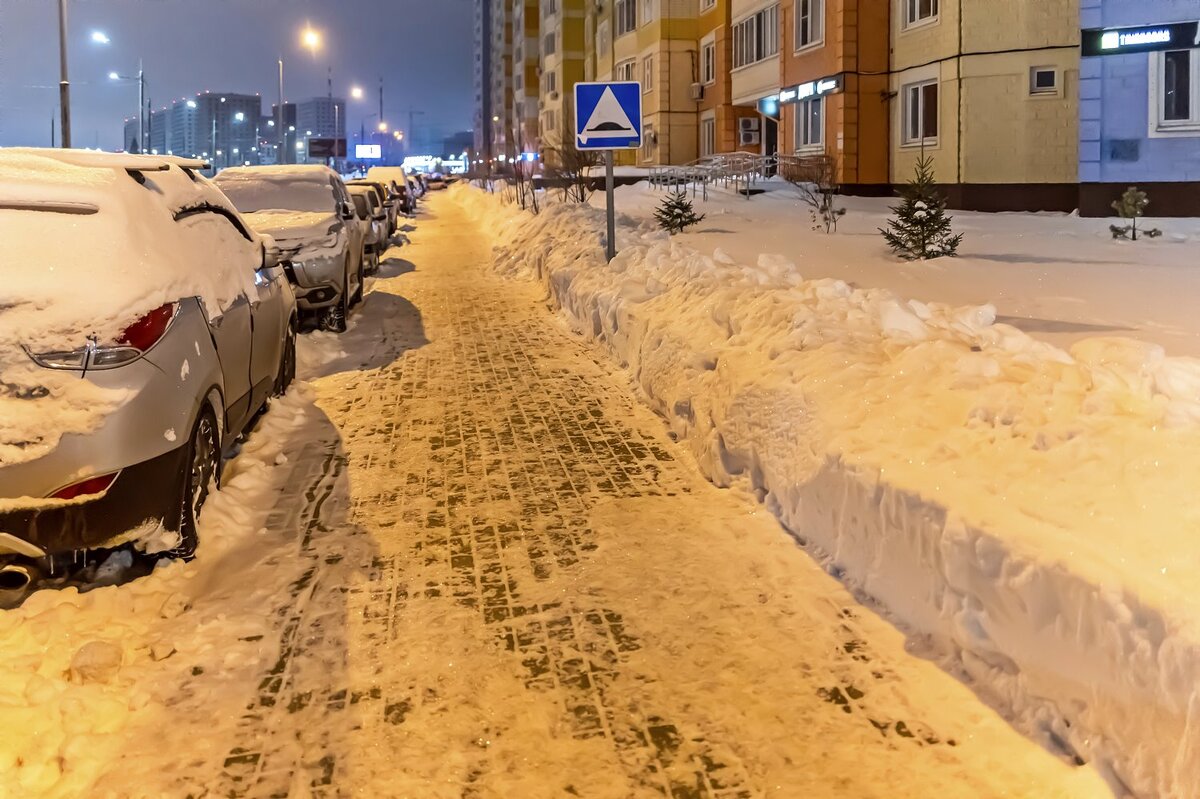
1131,206
676,213
921,228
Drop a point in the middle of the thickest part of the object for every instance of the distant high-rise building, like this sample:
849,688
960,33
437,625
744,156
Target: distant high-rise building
159,130
129,140
483,83
321,117
286,138
182,139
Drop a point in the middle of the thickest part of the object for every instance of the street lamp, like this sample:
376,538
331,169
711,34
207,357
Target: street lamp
383,127
99,37
356,92
140,78
311,39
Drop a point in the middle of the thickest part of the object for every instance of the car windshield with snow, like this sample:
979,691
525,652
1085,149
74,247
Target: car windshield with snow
142,326
308,211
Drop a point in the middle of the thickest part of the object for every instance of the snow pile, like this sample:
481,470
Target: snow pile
1026,513
67,276
87,677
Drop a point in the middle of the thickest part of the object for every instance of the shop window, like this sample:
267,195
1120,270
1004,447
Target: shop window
810,23
917,12
809,125
920,110
1178,89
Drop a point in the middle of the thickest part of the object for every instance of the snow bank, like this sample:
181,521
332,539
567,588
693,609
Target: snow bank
87,677
1026,513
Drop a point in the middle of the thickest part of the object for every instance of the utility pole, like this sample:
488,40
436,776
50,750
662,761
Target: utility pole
52,119
142,135
64,85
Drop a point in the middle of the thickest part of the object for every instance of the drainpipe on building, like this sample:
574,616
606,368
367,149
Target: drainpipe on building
958,155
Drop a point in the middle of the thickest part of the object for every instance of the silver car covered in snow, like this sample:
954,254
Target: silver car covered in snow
143,325
308,211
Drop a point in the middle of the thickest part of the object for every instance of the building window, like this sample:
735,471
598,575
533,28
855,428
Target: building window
648,11
548,45
756,38
624,70
810,23
708,136
1043,80
707,5
1178,89
626,14
919,11
708,62
921,113
647,141
810,124
648,73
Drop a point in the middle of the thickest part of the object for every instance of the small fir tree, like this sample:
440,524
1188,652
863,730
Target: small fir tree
676,213
1131,206
921,228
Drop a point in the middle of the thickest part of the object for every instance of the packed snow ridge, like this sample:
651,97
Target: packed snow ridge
1027,514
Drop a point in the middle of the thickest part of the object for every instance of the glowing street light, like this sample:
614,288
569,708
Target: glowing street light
310,39
114,76
356,92
383,126
100,37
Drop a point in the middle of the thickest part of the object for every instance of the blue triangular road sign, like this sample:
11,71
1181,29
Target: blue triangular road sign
608,116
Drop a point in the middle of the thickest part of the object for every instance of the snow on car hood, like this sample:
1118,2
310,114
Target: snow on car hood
84,252
294,228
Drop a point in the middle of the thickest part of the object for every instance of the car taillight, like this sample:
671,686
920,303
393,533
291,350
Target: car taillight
88,487
133,342
146,332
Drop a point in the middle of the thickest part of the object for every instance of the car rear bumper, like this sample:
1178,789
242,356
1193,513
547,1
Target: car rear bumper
145,492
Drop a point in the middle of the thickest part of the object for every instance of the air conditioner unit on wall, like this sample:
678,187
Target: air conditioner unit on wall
748,124
748,137
697,91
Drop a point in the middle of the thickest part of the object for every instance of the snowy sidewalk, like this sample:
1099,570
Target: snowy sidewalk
554,603
485,571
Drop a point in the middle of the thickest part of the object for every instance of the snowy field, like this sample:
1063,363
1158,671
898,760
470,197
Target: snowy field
1057,277
999,449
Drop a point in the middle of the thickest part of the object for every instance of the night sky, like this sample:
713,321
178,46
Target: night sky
422,48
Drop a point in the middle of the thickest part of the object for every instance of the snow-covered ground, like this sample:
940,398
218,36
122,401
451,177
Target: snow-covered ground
1026,512
1058,277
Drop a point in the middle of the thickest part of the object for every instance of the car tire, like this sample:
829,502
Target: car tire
287,363
200,469
335,315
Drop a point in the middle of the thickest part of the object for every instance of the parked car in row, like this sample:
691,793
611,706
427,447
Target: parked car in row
390,203
143,325
374,218
307,209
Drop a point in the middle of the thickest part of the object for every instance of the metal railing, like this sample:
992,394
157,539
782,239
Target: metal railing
741,171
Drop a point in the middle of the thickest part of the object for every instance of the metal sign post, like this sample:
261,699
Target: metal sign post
608,116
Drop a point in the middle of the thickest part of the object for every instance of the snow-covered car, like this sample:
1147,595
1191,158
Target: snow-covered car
391,204
143,325
366,204
436,181
306,208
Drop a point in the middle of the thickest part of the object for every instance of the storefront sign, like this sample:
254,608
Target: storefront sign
814,88
1144,39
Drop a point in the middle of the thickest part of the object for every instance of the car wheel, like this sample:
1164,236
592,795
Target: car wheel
287,363
335,316
201,467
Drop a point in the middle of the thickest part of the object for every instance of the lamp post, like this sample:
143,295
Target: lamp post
64,84
140,77
310,39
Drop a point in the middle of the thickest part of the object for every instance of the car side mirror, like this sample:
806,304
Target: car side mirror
272,256
345,211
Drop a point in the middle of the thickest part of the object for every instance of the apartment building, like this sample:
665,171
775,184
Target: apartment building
501,86
719,129
562,53
757,72
833,101
1140,105
989,91
526,92
482,71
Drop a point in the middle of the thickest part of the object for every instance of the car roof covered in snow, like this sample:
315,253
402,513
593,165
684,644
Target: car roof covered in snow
280,172
100,238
